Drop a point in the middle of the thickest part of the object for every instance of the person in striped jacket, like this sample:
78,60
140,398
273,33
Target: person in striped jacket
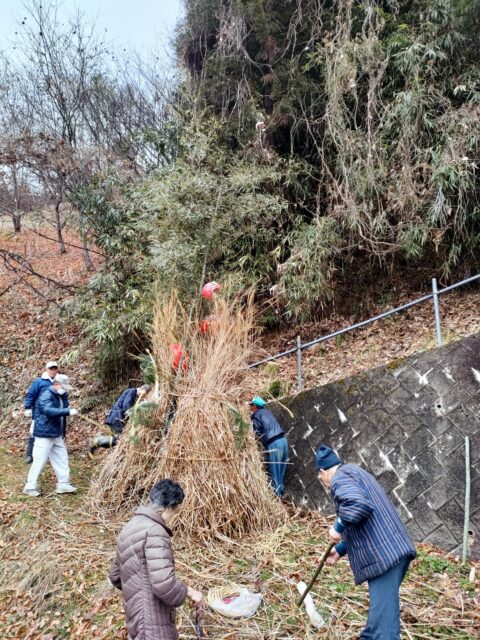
370,531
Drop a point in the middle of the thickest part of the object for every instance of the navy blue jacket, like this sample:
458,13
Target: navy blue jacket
374,536
116,417
266,426
51,411
34,391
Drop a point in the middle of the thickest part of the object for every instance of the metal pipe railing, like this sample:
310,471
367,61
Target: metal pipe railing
358,325
459,284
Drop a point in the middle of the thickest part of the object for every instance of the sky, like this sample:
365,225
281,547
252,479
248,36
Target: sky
143,25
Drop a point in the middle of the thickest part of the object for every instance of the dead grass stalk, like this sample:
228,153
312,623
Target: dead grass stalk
190,436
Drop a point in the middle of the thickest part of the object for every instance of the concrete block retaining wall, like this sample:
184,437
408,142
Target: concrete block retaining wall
405,422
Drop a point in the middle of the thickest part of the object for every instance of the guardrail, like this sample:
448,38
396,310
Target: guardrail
436,313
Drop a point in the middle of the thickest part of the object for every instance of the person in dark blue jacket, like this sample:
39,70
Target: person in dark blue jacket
51,411
270,433
117,417
34,391
378,546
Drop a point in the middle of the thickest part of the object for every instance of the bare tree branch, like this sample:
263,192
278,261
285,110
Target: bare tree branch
68,244
19,265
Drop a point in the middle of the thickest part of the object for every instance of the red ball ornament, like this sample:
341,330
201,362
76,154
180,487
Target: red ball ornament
178,352
208,324
209,289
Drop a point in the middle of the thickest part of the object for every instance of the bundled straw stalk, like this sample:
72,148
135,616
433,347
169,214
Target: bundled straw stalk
191,437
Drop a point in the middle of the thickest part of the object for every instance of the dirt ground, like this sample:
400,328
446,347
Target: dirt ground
55,551
55,554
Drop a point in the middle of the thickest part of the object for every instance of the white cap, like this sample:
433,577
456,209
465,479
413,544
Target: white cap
64,380
50,364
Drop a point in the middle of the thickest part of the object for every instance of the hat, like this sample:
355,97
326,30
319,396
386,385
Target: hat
51,364
325,458
258,401
145,387
63,380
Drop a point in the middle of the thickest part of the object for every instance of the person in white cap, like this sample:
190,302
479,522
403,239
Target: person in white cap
31,397
49,430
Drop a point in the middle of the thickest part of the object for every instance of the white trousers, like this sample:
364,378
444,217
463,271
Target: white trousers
52,449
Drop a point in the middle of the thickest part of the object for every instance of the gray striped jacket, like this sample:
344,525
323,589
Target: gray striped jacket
375,537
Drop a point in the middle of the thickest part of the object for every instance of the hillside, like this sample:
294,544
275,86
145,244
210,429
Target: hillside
320,161
31,332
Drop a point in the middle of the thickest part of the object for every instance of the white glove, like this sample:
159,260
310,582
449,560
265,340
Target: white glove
27,413
73,412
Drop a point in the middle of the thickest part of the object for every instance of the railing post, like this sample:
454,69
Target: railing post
299,364
438,330
466,521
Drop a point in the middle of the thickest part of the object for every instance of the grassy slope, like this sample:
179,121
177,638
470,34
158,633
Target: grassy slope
55,554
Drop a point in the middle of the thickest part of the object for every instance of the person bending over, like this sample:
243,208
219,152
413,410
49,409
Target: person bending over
117,417
268,430
370,531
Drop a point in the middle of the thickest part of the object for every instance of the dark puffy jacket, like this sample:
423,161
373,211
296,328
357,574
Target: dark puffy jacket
145,572
266,426
51,411
34,391
116,417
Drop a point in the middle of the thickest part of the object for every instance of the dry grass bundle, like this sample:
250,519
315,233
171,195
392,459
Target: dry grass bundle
191,437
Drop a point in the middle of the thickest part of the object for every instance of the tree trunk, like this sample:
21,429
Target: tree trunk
59,227
17,225
86,255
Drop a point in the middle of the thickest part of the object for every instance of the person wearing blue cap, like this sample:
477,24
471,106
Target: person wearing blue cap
370,531
268,430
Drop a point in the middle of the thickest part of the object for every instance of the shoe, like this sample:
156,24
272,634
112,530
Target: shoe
92,447
32,493
28,459
66,488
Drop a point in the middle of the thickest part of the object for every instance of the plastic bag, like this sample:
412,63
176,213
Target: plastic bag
315,618
241,603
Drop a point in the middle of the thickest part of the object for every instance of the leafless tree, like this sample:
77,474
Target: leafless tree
15,195
74,108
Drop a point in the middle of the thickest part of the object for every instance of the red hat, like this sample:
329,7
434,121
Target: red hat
178,352
209,289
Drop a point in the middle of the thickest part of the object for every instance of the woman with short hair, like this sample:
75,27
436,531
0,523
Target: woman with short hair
144,568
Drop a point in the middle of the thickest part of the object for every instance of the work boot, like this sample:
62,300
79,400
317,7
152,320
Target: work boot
32,493
29,451
105,442
66,487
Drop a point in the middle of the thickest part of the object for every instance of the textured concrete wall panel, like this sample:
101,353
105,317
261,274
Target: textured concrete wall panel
406,423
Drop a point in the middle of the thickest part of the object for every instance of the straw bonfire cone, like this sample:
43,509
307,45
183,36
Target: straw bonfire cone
191,437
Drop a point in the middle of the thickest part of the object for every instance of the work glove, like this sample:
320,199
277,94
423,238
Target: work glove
73,412
27,413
